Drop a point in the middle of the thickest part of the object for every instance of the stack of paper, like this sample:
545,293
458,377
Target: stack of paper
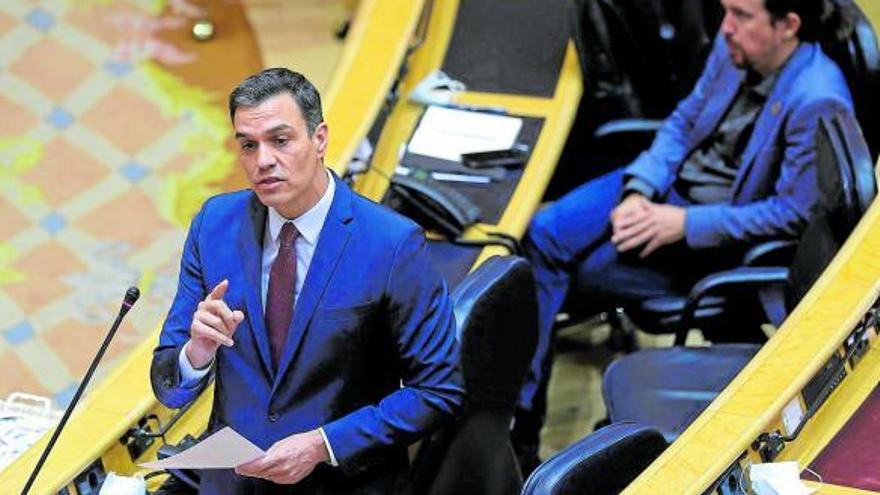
446,133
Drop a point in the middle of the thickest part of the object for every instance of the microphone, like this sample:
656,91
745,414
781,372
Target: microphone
131,296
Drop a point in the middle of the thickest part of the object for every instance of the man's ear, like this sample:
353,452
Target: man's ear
321,136
790,24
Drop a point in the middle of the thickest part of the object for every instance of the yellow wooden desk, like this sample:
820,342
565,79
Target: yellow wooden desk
753,402
557,113
376,43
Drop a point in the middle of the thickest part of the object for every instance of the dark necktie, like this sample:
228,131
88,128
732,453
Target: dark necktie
282,283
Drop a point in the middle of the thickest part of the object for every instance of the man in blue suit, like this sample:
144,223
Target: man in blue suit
330,337
732,165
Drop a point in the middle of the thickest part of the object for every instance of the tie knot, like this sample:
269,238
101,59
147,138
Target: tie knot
288,234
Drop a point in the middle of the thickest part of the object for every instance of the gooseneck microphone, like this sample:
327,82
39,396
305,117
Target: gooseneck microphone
131,296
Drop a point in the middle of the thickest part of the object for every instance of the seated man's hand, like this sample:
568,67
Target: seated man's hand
657,226
212,326
632,209
290,460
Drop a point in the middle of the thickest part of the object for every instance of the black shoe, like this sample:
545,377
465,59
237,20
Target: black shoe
526,438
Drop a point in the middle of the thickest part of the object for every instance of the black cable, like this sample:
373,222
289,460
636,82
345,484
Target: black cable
775,437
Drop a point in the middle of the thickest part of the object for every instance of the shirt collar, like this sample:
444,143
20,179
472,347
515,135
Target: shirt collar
762,86
310,223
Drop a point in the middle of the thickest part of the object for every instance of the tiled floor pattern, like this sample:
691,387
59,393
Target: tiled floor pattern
92,147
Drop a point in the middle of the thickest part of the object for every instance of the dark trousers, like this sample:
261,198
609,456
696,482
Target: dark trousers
568,244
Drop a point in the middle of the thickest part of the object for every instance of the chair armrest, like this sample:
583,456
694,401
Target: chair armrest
605,461
771,253
628,126
738,278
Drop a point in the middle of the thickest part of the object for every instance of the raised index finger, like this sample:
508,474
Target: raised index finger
218,292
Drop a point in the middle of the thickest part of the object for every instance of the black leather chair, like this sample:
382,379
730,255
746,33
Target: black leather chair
639,58
497,316
603,463
669,388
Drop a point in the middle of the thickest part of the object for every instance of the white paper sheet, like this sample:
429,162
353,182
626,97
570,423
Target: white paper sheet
224,449
446,133
778,478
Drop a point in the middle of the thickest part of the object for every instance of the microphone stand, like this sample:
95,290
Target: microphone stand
131,296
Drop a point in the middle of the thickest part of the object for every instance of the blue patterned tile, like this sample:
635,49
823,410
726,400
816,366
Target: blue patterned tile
60,118
19,333
118,68
66,395
40,19
134,171
53,223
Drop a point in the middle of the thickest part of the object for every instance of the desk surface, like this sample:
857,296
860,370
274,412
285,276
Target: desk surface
556,112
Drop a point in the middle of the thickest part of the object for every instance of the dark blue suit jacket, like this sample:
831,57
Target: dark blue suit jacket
371,354
776,185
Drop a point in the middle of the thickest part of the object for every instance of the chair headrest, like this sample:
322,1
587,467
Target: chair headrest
497,316
858,57
604,462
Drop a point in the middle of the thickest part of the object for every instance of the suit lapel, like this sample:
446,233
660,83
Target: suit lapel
250,245
717,106
769,119
331,244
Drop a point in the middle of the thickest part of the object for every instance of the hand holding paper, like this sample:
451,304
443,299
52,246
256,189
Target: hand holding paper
290,460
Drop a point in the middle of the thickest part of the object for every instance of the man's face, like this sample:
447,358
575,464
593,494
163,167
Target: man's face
754,39
283,163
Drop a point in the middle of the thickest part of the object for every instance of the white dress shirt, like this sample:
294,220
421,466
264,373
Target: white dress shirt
309,226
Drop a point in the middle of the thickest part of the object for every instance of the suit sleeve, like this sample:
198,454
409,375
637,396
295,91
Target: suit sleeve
657,166
422,322
165,370
784,214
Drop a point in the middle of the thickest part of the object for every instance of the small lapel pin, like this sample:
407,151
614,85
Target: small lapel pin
775,108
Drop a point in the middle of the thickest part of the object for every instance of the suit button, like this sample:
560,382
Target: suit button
273,417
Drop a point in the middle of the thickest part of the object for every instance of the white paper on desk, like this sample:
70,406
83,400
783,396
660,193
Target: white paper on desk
446,133
777,478
224,449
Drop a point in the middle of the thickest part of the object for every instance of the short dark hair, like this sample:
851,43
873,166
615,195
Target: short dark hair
821,20
267,83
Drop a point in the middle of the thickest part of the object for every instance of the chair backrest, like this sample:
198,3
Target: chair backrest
496,310
497,315
848,186
602,463
858,57
640,57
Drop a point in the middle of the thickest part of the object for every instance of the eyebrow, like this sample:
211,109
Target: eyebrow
274,130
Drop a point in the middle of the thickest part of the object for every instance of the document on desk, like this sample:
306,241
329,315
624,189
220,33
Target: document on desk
224,449
446,133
